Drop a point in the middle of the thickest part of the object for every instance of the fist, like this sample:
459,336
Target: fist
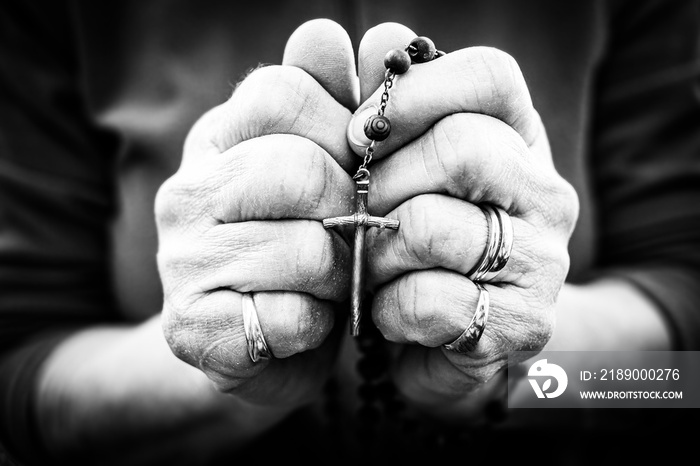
464,135
240,221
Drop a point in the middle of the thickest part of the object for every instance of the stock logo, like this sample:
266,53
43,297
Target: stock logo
546,372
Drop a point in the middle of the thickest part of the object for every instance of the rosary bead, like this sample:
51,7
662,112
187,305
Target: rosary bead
398,61
377,127
421,49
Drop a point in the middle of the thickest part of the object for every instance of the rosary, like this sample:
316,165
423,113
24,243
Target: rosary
377,393
376,128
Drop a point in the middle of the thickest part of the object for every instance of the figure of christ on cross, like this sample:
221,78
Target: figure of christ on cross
361,220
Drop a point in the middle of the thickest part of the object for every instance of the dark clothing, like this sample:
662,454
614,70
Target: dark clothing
96,99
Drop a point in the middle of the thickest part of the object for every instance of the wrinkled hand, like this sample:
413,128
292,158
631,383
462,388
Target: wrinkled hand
464,132
259,173
243,215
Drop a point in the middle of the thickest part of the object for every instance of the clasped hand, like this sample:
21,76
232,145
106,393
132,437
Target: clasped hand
260,172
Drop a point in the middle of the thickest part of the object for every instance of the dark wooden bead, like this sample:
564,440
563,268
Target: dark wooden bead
398,61
377,127
421,49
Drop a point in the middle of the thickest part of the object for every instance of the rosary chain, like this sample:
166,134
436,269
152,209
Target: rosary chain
388,84
369,151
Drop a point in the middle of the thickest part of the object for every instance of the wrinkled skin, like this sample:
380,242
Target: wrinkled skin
260,172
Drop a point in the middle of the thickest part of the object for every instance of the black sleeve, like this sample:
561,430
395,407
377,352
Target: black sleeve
55,205
646,157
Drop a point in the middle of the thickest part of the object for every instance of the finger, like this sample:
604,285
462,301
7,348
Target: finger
272,177
439,231
209,334
274,100
434,307
374,46
479,159
477,79
292,255
434,377
323,49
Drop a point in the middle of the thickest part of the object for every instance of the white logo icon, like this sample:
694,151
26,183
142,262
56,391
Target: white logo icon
542,369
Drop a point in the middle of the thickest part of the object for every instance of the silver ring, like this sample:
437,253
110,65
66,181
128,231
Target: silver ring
498,246
505,247
468,340
255,340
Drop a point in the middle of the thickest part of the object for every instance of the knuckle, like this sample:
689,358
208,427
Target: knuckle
555,258
504,91
529,331
535,256
291,173
306,322
390,308
413,317
178,258
547,260
182,266
570,207
560,263
384,308
463,170
555,202
479,367
540,332
310,158
502,68
314,252
564,264
537,324
177,331
291,322
562,206
418,235
200,138
184,199
203,332
165,204
479,375
273,99
495,57
445,150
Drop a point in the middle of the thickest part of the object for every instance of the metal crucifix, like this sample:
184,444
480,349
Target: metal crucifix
361,220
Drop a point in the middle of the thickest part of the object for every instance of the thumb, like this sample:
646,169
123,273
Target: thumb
373,48
323,49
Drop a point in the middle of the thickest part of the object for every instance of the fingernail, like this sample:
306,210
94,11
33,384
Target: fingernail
356,131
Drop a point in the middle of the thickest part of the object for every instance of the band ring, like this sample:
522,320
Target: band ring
498,247
468,340
255,340
505,246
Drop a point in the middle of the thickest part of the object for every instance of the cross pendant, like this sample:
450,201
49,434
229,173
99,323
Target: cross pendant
361,220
